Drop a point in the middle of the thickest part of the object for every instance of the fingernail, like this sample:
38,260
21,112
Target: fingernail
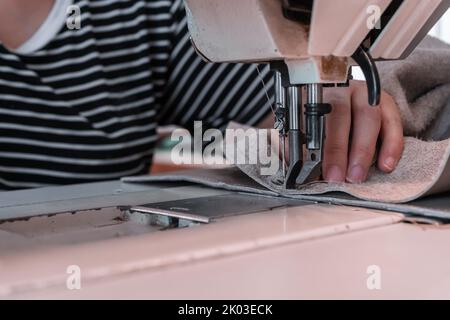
390,163
356,174
335,174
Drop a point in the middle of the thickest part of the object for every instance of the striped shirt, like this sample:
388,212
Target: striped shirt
85,107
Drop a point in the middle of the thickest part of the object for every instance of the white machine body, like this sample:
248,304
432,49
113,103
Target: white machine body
318,52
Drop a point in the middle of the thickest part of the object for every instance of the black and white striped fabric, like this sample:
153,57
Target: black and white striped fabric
86,106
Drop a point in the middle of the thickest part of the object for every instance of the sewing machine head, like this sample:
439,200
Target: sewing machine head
310,43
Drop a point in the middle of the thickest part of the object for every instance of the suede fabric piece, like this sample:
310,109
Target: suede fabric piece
424,169
420,85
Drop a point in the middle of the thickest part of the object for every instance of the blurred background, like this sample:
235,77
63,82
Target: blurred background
442,29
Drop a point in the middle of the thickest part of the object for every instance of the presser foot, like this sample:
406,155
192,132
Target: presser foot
304,172
312,168
290,180
311,171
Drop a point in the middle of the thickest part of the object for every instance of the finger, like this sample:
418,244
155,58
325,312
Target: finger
391,134
338,124
365,130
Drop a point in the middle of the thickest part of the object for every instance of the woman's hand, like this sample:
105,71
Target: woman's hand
353,130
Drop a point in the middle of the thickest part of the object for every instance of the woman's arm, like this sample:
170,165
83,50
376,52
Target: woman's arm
353,130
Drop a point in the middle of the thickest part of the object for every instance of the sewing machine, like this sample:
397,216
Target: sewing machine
180,240
310,43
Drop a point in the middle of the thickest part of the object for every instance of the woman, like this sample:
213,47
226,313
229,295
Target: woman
79,105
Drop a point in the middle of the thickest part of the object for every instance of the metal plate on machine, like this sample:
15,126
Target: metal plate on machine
205,209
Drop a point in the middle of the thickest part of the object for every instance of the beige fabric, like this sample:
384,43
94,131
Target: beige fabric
424,169
420,85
